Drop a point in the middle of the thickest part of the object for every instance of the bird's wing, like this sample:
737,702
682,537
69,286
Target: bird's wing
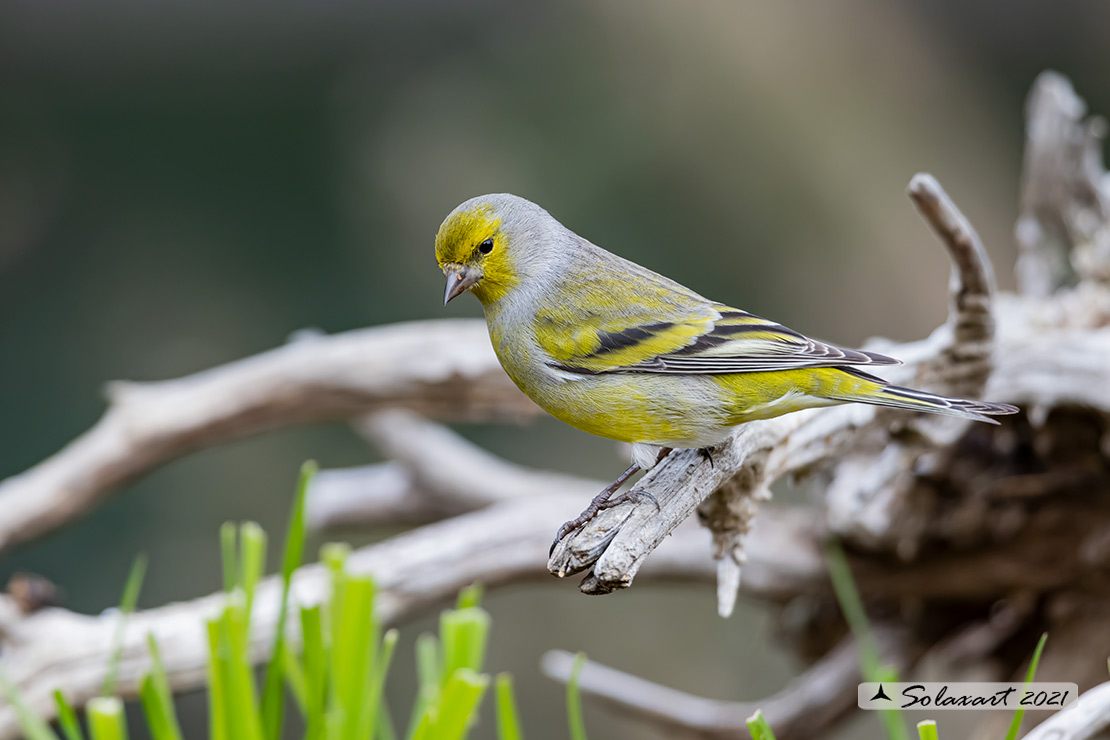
611,321
706,339
740,342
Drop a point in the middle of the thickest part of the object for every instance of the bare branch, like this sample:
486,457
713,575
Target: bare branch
973,278
616,542
370,495
434,473
782,554
808,705
728,514
446,465
1062,232
965,364
445,369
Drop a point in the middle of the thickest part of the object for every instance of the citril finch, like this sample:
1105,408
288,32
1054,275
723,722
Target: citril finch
622,352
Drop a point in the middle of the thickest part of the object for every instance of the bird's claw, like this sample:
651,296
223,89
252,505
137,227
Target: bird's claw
595,508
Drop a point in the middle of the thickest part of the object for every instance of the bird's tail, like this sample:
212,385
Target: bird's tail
915,400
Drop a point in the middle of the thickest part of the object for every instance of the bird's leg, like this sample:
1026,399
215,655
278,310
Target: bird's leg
595,505
605,500
707,453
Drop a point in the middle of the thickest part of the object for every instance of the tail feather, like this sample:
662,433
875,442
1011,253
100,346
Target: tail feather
908,398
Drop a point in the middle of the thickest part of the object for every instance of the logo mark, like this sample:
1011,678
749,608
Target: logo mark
966,695
880,694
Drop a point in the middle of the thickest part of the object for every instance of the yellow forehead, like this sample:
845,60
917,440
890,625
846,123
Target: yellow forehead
463,231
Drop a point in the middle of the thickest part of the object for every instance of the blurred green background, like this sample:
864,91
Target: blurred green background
186,183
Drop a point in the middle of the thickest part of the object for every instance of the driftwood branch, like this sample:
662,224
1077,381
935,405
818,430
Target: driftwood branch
822,694
965,364
445,369
1062,232
372,495
433,473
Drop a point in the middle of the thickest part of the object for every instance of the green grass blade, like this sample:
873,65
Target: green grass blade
354,649
295,680
334,556
428,673
463,633
242,705
508,721
160,720
574,700
315,672
218,722
891,718
295,535
33,726
927,730
422,730
1015,724
127,604
156,724
229,557
385,729
871,665
161,684
428,664
458,705
67,718
252,559
106,718
854,613
470,596
372,700
273,694
759,728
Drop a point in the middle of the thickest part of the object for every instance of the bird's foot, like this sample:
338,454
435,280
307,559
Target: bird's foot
597,504
606,500
632,494
595,508
707,453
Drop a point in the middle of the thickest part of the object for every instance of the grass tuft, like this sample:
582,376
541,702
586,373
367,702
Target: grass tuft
337,682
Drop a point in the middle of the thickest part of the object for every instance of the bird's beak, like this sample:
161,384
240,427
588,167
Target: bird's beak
459,279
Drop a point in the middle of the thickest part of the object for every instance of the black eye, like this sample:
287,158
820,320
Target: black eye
486,247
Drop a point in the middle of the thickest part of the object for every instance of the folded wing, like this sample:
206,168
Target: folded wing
717,341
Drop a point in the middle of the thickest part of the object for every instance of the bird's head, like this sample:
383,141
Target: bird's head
486,244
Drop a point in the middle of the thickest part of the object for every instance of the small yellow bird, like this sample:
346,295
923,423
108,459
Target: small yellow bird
619,351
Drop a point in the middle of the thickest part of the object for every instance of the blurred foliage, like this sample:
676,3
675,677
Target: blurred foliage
337,681
185,183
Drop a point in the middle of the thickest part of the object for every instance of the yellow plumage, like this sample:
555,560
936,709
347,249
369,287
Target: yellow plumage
619,351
